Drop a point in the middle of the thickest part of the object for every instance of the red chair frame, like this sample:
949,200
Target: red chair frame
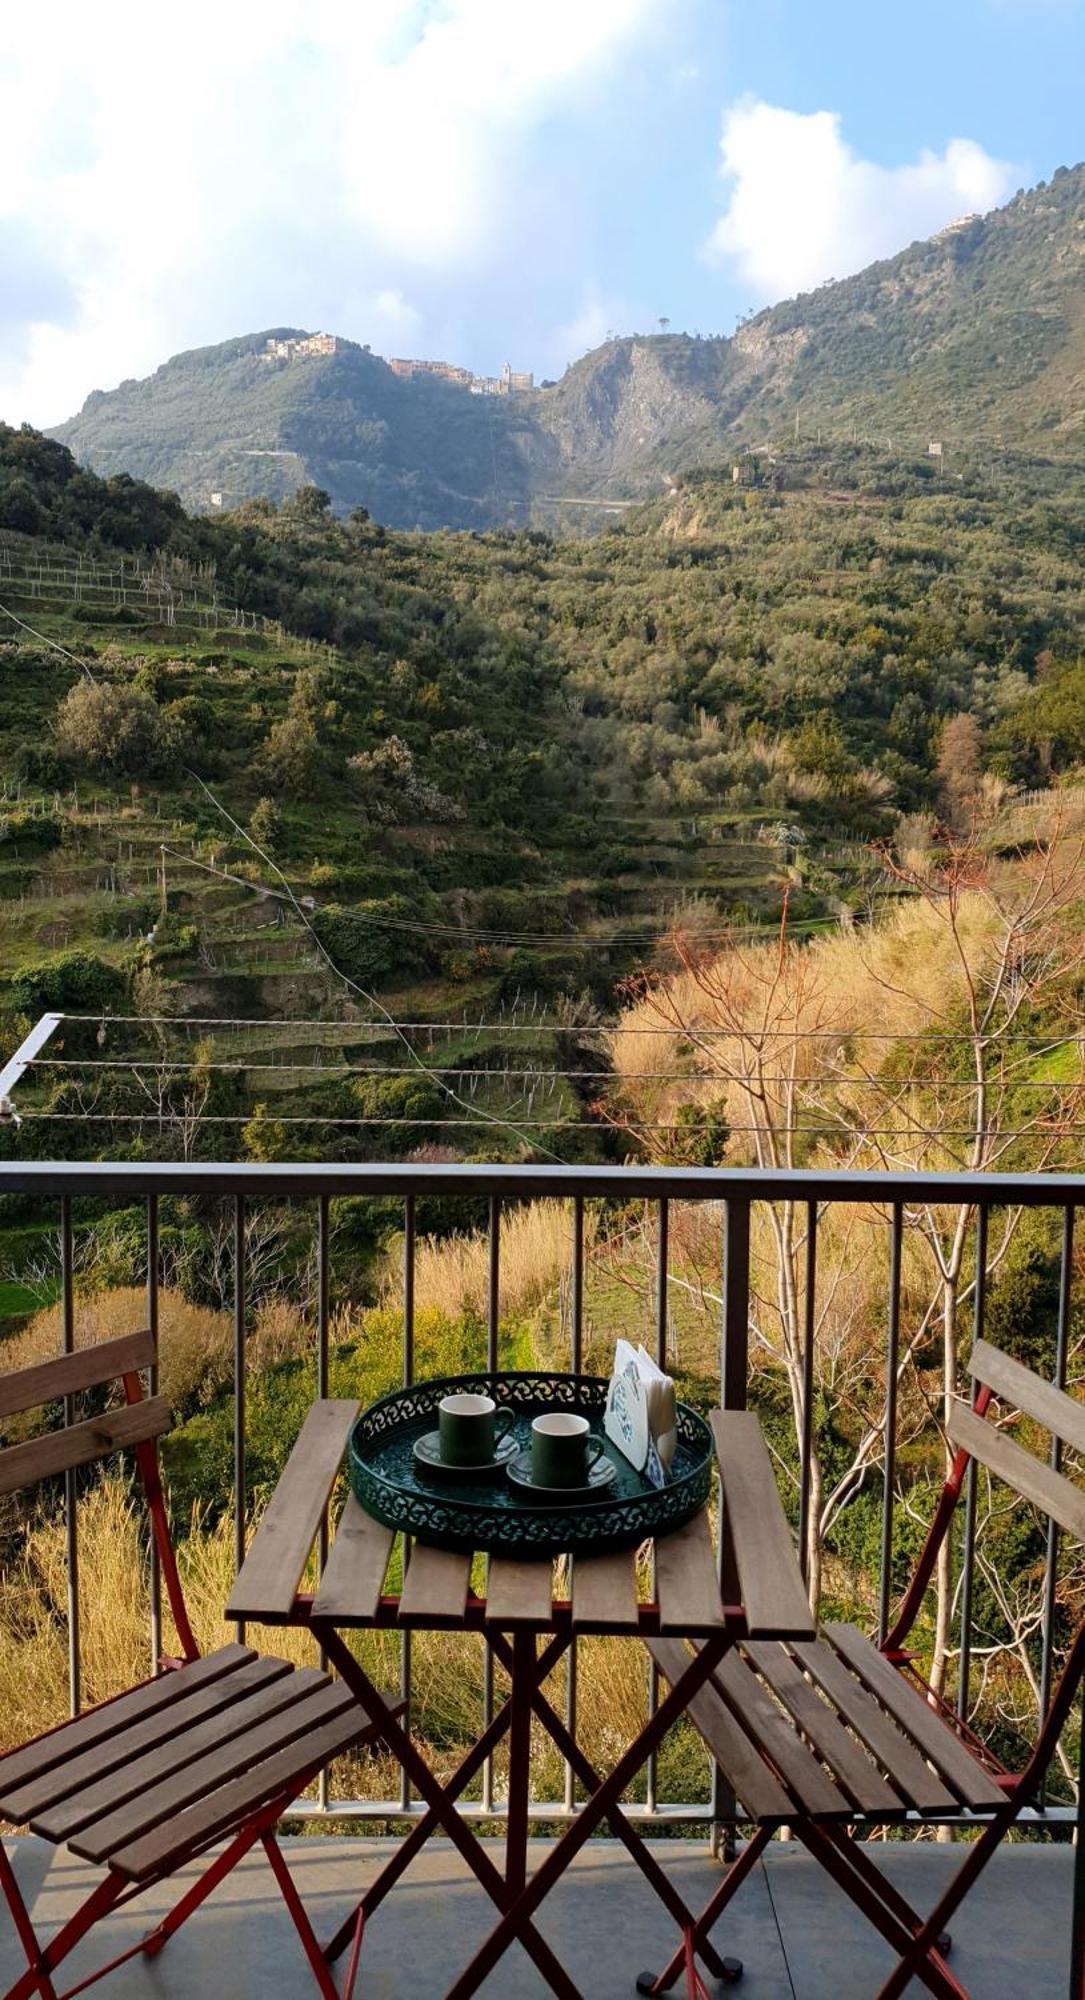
114,1891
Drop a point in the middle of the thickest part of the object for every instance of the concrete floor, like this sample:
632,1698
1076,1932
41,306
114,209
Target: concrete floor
796,1933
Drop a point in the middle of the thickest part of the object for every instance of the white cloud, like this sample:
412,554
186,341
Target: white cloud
802,206
266,164
588,327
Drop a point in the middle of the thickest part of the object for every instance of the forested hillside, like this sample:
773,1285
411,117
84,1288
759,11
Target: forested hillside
495,770
975,340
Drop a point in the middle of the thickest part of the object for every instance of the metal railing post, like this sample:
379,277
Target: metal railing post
734,1376
71,1518
239,1390
735,1331
152,1325
892,1364
408,1378
968,1562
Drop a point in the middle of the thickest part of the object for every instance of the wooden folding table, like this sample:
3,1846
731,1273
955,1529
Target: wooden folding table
527,1630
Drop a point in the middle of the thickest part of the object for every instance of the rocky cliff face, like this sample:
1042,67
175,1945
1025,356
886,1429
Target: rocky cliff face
978,333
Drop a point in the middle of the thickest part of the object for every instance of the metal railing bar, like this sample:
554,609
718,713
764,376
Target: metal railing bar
408,1377
892,1364
806,1448
323,1296
1051,1564
968,1559
662,1264
493,1320
71,1513
576,1363
239,1390
735,1185
735,1332
155,1579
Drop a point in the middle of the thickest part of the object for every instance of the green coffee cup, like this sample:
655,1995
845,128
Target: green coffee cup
470,1428
563,1451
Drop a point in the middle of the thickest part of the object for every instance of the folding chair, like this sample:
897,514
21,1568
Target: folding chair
836,1735
209,1749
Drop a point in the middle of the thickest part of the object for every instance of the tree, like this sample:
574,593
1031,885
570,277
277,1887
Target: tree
981,952
115,730
958,766
266,825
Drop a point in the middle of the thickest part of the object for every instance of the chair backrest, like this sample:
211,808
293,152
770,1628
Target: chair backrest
1058,1413
139,1420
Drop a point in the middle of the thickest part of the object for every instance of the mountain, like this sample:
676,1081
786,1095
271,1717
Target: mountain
975,338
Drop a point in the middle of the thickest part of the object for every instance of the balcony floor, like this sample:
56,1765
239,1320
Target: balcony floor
797,1934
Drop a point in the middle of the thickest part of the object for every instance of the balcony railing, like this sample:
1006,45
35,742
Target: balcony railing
730,1201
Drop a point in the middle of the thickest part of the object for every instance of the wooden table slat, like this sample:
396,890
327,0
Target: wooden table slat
435,1585
99,1725
758,1792
80,1444
1024,1390
907,1707
605,1592
773,1592
853,1768
519,1593
1046,1488
908,1771
354,1573
773,1731
336,1728
140,1778
687,1585
268,1580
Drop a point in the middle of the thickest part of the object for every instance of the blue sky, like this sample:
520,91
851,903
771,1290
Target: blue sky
484,180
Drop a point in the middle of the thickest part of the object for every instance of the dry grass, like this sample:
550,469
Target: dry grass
536,1250
195,1343
900,978
114,1622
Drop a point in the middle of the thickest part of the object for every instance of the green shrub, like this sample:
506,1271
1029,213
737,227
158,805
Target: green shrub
77,982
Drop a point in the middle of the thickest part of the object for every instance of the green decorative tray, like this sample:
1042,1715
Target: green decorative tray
489,1513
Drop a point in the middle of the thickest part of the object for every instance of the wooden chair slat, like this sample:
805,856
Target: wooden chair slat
354,1572
87,1368
519,1593
268,1579
89,1808
113,1717
124,1746
158,1804
917,1784
853,1769
761,1796
1013,1383
687,1584
182,1833
435,1585
936,1740
80,1444
774,1733
1008,1460
604,1592
755,1526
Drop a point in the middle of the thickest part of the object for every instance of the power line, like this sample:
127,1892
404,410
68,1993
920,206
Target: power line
330,1072
548,1026
44,641
354,985
838,1131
